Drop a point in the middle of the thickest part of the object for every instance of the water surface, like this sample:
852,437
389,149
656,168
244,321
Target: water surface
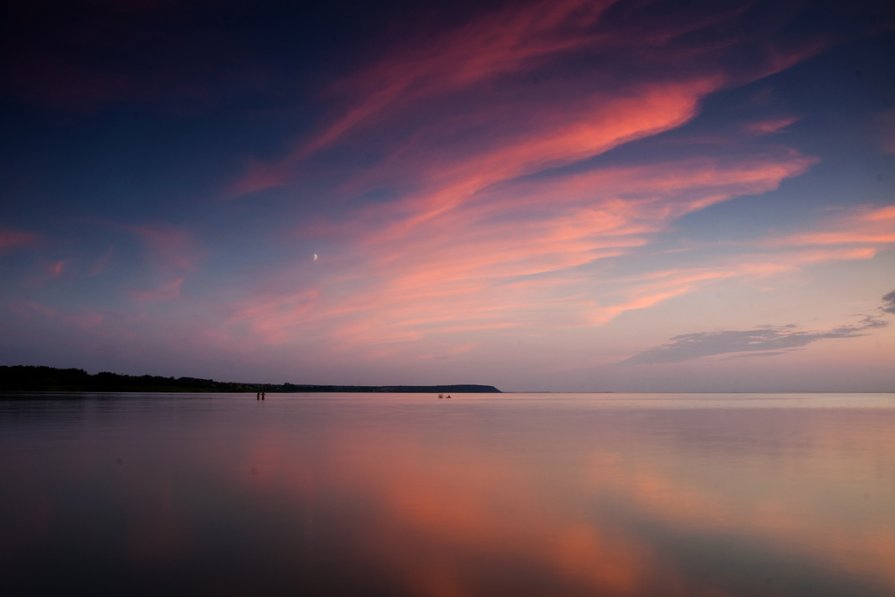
405,494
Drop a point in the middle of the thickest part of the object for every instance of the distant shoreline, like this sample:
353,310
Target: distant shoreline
26,378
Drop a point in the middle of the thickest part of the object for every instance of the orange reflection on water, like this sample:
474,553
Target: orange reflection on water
595,515
471,497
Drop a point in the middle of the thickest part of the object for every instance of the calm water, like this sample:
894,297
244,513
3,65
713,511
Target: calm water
509,494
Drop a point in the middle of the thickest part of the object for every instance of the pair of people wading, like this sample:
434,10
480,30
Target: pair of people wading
259,395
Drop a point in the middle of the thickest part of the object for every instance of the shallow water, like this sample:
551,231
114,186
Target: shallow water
395,494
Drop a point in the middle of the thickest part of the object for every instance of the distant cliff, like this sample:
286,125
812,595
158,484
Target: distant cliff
50,379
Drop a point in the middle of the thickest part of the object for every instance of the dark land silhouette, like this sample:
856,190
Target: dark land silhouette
50,379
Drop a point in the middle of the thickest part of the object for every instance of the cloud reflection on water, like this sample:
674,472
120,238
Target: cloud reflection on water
477,496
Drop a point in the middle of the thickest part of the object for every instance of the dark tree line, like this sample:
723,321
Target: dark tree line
50,379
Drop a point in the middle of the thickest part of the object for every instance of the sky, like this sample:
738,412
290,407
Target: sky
629,195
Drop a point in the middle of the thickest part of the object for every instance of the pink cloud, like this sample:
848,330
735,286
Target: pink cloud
873,226
655,288
484,234
769,126
508,41
650,291
471,257
586,127
443,248
11,239
494,53
273,318
56,268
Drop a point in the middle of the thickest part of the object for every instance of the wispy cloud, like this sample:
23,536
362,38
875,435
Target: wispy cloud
507,41
889,303
769,126
481,72
56,268
11,239
866,226
765,341
504,256
485,227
